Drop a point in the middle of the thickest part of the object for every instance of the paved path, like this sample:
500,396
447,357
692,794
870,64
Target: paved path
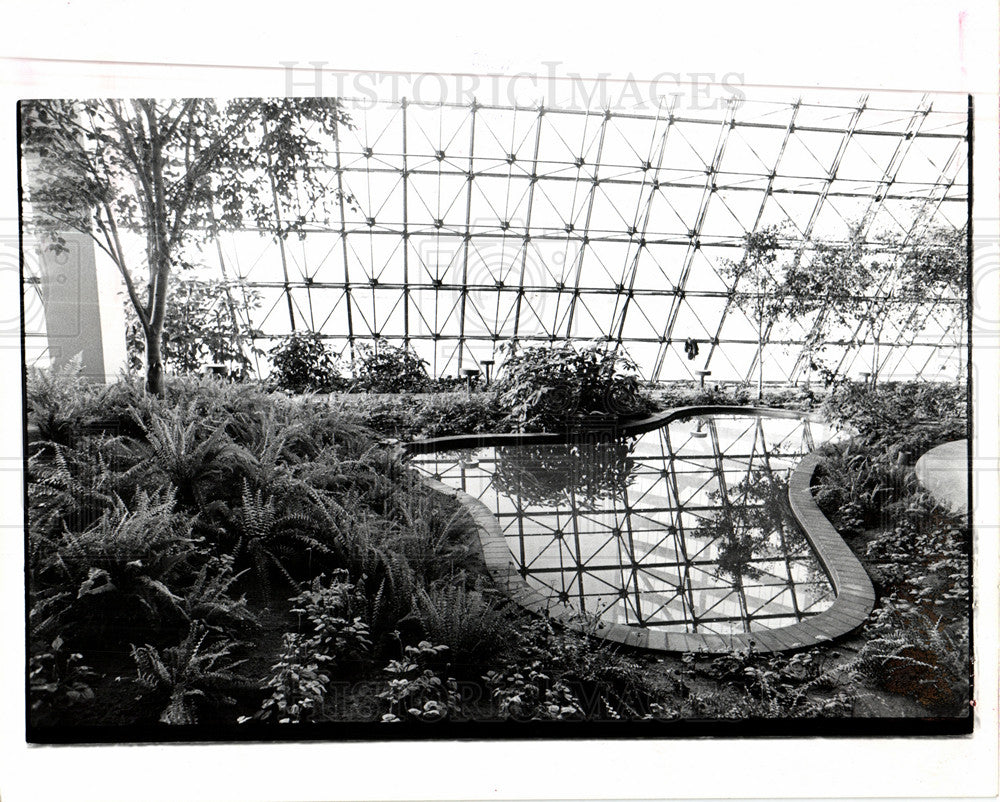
944,471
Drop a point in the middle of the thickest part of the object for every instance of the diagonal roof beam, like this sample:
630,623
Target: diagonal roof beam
467,239
921,222
527,221
756,223
343,242
643,230
817,210
906,140
694,236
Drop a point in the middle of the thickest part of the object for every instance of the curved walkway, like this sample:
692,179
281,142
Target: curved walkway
944,471
855,596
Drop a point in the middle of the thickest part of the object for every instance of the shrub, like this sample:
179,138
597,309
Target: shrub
415,691
208,599
432,532
541,388
927,658
191,675
272,535
72,486
302,363
385,368
126,570
908,417
751,684
408,417
298,684
57,677
473,626
200,461
557,674
59,404
328,606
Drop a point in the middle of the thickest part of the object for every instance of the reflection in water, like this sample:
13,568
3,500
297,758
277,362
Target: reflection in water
588,472
685,528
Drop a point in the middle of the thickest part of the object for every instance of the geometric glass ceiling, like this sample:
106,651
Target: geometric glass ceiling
469,225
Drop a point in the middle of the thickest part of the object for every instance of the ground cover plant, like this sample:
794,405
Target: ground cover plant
916,642
227,554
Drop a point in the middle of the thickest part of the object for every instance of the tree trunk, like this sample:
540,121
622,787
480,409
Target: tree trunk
154,362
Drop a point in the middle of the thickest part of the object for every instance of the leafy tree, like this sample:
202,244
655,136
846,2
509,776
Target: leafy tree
861,282
172,171
757,287
199,326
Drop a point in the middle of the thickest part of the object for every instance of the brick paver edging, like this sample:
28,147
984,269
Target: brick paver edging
855,595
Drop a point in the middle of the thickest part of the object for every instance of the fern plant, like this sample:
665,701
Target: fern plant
59,404
473,626
928,659
435,538
270,536
122,572
210,599
69,487
193,674
191,460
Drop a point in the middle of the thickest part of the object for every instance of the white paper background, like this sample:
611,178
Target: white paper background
202,48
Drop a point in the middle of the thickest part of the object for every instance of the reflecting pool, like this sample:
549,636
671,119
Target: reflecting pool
685,528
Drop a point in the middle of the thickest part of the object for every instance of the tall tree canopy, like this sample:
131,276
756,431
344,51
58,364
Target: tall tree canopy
173,171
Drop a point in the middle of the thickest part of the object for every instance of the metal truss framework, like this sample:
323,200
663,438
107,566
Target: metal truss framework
685,529
456,228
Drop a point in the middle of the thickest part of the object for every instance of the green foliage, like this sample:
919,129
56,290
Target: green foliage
415,691
272,533
540,388
755,279
57,405
751,684
196,460
526,693
124,571
909,652
298,684
193,674
209,599
201,327
740,394
566,675
57,677
72,486
433,534
387,368
302,363
472,623
328,605
409,417
907,417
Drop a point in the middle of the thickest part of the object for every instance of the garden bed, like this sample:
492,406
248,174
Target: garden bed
230,554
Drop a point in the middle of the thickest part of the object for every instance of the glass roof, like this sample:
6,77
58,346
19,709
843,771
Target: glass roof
465,226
